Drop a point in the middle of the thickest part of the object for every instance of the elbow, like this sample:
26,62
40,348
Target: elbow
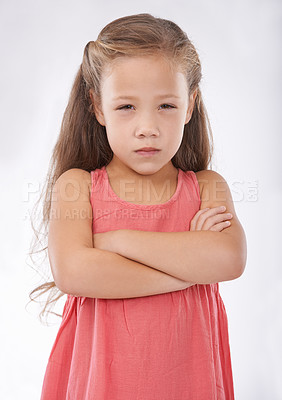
59,272
69,286
242,264
69,283
77,274
238,260
62,282
63,286
236,271
63,278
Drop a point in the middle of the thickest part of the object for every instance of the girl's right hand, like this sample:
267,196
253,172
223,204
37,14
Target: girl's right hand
210,219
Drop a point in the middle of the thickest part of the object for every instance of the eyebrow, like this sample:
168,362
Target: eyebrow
123,97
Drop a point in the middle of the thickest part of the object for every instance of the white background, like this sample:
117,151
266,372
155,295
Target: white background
238,43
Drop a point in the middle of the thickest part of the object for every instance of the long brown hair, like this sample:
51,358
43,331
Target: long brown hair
83,143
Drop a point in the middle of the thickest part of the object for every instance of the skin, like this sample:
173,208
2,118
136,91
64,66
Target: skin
202,256
213,219
147,120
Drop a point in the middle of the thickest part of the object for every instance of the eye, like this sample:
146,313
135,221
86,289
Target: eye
125,107
167,105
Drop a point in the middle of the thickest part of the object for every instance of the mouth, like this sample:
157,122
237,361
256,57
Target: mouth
147,151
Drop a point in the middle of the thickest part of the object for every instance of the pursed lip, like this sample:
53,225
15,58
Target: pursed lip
147,149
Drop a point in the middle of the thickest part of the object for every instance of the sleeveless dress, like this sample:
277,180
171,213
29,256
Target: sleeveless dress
170,346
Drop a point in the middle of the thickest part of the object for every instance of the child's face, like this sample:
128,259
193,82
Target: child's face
147,120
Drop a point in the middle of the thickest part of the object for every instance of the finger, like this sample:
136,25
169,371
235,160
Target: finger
201,223
215,219
217,210
219,227
195,219
201,216
210,217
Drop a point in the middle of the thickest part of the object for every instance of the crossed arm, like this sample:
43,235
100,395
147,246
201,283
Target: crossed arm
202,257
128,263
198,257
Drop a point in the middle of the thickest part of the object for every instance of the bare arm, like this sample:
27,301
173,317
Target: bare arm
81,270
202,256
104,274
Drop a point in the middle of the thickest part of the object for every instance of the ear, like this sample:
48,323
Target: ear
97,108
190,109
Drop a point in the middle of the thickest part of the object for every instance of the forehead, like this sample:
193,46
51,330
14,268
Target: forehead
142,74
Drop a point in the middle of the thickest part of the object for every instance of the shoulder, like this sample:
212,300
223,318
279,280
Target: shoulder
74,180
208,178
214,190
207,175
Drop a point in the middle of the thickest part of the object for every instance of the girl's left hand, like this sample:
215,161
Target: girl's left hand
105,240
213,219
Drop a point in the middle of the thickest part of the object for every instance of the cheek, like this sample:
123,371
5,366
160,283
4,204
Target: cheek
174,138
173,123
115,139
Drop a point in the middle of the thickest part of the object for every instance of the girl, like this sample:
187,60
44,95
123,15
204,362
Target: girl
137,237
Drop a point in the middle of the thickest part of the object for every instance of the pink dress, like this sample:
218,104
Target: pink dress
170,346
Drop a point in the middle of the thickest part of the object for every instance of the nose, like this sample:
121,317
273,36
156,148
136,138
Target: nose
147,131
